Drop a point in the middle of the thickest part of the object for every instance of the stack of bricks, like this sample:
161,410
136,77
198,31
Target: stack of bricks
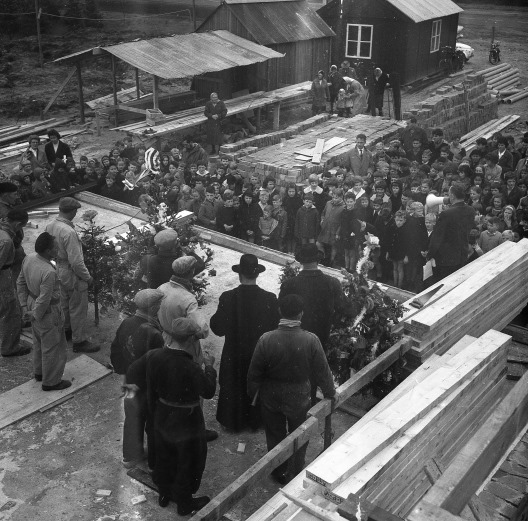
447,108
279,160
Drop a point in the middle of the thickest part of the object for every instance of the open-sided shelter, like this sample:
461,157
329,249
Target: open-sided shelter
403,36
290,27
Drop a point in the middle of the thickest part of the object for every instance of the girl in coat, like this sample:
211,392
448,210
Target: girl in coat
330,221
291,204
320,93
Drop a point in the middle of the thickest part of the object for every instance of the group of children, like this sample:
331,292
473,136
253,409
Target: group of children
335,210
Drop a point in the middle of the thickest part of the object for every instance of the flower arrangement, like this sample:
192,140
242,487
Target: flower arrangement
355,341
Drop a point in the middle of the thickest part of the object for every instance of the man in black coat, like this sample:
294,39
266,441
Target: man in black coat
335,82
379,83
244,314
449,241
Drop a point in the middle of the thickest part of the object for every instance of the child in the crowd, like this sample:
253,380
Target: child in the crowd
495,210
416,241
319,197
291,204
507,235
508,218
225,215
342,97
397,248
396,196
491,237
330,219
172,198
347,232
307,222
456,149
248,218
41,187
186,201
364,211
282,218
492,171
268,228
207,211
263,199
59,178
475,251
110,189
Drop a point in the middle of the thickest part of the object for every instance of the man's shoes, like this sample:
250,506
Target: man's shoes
131,464
38,377
280,478
21,352
85,347
68,334
63,384
210,435
163,501
196,503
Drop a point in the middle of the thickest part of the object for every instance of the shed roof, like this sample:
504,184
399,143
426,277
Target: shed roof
272,22
186,55
422,10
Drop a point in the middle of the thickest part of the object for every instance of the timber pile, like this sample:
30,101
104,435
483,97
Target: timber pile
449,108
484,298
469,140
501,77
290,162
431,415
12,134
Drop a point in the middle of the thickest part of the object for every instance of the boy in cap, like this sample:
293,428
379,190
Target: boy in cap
135,336
73,274
307,221
207,212
174,385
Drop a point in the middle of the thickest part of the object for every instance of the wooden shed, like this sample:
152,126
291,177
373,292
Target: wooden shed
403,36
290,27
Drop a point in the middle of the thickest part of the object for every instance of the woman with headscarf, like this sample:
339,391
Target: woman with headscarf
320,93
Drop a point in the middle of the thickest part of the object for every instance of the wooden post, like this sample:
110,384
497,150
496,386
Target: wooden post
155,98
466,106
328,432
37,14
396,94
80,90
258,119
98,122
276,115
114,86
138,93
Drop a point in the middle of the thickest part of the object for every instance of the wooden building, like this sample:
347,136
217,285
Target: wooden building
290,27
403,36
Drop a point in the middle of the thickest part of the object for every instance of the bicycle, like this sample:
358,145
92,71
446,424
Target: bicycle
494,54
451,60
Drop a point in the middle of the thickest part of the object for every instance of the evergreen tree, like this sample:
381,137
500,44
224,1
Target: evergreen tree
92,12
74,10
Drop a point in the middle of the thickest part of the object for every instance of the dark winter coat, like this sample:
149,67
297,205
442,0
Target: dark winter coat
213,127
307,223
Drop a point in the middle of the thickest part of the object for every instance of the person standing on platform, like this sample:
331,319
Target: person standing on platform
379,83
320,93
73,274
215,112
174,384
135,336
335,83
243,315
39,296
10,313
283,364
449,241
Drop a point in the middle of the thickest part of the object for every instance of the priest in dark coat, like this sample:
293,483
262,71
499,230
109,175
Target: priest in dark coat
243,315
215,111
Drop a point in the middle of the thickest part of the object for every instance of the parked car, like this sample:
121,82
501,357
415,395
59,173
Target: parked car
466,49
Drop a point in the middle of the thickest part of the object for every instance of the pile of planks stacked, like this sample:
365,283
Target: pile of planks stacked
16,132
486,293
469,140
384,457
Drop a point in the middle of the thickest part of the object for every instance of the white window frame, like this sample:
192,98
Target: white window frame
360,41
436,35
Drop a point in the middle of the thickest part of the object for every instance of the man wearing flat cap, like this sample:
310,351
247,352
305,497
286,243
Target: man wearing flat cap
135,336
180,302
73,274
243,315
175,385
155,270
322,296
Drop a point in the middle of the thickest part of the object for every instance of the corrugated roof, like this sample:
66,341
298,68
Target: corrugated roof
187,55
422,10
281,22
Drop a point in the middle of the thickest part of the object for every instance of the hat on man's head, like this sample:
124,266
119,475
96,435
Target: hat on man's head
68,204
184,328
248,266
308,253
183,265
146,298
166,238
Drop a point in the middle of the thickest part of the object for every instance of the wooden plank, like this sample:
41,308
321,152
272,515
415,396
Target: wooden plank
502,509
26,399
369,438
518,333
59,90
473,464
355,504
314,510
241,486
425,511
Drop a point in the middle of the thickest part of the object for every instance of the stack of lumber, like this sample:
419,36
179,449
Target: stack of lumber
501,77
485,298
12,134
469,140
291,162
452,109
515,96
431,415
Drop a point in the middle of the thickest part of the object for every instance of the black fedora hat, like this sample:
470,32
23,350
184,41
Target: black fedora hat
248,266
308,253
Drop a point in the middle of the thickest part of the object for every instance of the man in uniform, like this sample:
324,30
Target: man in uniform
174,384
135,336
180,302
73,274
39,297
10,313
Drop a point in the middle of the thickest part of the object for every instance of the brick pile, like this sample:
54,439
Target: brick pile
447,110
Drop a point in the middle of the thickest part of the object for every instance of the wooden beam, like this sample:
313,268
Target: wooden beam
80,90
111,204
318,151
138,92
114,84
120,106
472,465
36,203
232,494
59,90
155,93
276,116
258,119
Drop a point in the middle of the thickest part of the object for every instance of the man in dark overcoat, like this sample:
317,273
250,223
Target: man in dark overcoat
215,111
244,314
